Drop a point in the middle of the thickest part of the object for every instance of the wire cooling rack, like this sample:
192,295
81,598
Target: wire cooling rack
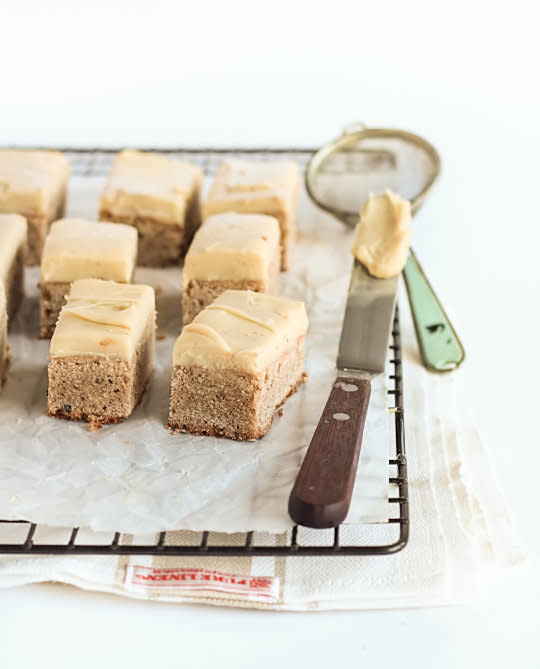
24,537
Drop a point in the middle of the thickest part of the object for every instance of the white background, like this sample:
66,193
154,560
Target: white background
465,75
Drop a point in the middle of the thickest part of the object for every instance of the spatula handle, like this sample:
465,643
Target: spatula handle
322,493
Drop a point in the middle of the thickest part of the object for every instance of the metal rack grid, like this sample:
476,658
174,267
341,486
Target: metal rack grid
377,538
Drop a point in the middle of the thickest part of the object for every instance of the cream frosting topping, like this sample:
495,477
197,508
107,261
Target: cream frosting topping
31,182
383,235
104,318
78,249
251,186
150,185
13,230
241,330
233,246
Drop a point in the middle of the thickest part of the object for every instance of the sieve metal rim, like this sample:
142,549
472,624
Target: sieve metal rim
348,138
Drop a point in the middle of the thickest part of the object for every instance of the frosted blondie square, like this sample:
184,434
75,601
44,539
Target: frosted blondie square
160,197
236,363
102,351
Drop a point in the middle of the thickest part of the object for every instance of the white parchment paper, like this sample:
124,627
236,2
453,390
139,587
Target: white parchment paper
138,477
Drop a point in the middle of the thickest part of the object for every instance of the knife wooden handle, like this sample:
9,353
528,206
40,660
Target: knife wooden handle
322,492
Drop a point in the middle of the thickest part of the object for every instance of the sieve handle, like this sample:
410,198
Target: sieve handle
440,347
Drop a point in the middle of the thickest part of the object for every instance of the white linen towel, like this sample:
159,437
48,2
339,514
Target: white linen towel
460,532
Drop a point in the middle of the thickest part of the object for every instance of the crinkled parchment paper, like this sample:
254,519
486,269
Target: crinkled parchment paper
138,477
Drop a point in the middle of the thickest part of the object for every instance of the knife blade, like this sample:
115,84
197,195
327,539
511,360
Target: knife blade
321,495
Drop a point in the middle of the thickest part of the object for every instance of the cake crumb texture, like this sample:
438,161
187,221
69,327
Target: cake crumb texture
96,388
224,403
